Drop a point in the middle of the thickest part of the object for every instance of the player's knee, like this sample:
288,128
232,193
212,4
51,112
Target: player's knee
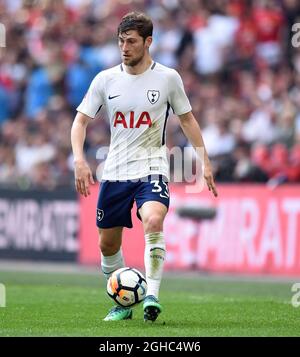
153,223
109,248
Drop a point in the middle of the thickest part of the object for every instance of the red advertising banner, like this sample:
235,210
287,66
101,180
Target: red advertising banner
256,231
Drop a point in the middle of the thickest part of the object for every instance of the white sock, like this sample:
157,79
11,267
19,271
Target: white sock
111,263
155,251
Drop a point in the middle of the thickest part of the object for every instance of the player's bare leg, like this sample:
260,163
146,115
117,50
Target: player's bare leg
153,214
110,240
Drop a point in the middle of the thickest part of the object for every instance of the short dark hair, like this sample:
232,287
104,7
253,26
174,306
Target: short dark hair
136,21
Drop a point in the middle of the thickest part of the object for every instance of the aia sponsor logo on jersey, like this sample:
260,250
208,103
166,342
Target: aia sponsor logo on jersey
134,121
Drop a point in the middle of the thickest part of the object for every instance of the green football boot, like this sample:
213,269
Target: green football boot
118,313
152,308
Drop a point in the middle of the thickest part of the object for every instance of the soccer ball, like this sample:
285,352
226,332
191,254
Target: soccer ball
127,286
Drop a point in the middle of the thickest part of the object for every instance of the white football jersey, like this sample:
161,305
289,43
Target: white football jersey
138,108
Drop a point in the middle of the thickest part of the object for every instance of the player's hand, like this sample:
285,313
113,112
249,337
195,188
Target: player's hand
83,177
209,178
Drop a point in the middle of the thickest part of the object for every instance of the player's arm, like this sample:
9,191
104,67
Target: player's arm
83,173
193,133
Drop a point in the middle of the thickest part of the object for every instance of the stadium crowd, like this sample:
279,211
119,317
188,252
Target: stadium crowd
236,58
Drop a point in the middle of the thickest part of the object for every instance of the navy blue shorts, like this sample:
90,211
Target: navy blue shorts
116,199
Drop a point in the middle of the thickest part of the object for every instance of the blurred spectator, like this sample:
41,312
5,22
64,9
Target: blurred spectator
216,135
269,20
33,150
4,105
294,169
39,91
245,169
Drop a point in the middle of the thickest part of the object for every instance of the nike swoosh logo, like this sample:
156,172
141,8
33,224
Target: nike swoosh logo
115,96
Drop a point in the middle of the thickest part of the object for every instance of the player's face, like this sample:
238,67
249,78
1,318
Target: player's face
133,47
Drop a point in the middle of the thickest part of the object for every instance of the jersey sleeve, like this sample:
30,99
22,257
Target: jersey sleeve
177,96
94,98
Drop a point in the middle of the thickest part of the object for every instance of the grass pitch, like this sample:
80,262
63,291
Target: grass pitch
54,304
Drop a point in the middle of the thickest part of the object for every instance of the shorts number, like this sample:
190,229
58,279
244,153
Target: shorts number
163,191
